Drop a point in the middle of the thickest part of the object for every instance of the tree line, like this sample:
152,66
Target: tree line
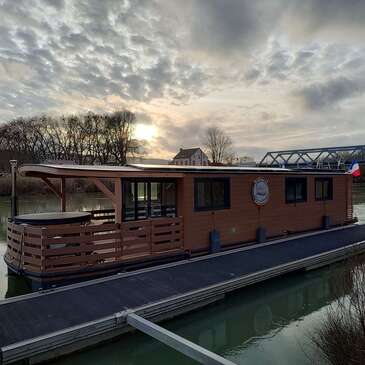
89,138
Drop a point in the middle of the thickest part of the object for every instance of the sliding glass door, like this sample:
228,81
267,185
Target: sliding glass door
142,200
148,199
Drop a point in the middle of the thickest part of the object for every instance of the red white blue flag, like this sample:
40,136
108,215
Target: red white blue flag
355,169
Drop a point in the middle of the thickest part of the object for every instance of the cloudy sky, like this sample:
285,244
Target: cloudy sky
274,74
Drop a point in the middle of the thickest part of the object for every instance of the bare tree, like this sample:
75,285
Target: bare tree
218,146
84,139
119,128
340,337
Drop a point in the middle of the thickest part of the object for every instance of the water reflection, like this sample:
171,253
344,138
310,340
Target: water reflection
229,327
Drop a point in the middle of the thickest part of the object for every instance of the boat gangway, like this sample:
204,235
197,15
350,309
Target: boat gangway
50,323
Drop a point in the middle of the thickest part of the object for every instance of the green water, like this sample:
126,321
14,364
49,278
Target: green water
269,323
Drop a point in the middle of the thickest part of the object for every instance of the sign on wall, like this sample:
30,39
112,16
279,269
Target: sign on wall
260,191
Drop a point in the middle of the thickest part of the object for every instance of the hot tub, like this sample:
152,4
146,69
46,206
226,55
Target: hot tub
39,219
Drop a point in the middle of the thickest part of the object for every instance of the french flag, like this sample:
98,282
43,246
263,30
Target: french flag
355,169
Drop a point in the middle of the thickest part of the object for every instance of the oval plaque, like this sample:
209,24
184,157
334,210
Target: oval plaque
260,191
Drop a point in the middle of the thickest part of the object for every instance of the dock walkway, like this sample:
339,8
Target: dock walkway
39,323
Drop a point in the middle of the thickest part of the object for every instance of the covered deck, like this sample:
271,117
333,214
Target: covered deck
143,225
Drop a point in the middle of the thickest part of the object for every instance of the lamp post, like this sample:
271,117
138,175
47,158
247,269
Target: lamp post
14,199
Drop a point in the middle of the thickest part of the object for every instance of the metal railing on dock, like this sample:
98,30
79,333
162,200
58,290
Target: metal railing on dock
175,341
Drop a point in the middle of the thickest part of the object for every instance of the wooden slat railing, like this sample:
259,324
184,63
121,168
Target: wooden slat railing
102,215
24,247
73,247
136,238
167,234
61,248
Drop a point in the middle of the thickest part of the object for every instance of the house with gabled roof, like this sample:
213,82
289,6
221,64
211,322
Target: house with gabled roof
190,156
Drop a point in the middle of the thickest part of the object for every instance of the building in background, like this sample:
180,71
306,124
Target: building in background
190,156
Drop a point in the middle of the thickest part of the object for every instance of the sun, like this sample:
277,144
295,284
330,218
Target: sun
146,132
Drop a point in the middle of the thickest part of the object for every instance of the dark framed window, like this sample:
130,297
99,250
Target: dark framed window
211,193
144,199
296,189
324,188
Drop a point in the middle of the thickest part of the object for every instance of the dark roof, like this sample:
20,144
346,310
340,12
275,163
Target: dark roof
186,153
141,170
233,169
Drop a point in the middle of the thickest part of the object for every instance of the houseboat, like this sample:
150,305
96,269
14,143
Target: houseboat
164,213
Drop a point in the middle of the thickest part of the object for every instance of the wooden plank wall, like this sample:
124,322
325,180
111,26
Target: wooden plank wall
240,222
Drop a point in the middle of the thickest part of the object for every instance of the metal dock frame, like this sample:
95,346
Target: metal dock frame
175,341
84,335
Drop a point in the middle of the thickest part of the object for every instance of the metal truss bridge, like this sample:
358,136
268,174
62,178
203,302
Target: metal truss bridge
322,158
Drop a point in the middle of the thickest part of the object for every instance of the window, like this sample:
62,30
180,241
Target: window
324,188
148,199
295,189
129,207
142,200
212,194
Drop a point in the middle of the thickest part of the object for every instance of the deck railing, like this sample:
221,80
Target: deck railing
24,249
102,215
61,248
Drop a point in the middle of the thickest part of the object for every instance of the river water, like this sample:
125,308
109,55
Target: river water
269,323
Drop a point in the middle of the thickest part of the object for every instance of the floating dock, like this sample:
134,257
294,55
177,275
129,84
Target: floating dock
45,325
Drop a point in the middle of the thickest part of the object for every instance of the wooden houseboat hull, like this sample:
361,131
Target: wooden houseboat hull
167,213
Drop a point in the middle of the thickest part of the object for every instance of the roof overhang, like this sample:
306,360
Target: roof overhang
160,171
84,171
233,170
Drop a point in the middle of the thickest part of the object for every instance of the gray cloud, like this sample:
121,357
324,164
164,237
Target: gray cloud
188,135
337,17
230,26
102,49
326,94
57,55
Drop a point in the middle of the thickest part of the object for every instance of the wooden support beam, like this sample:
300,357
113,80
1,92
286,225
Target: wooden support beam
103,188
118,200
52,186
63,194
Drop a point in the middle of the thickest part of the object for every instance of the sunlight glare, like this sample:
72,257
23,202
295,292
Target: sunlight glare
146,132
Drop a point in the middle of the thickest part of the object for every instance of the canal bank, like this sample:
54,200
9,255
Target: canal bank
236,346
